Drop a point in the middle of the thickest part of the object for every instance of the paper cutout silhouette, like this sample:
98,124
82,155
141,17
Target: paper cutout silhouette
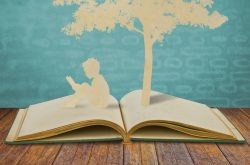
157,18
97,93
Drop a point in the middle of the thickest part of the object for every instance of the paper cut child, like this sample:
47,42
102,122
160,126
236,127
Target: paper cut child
96,93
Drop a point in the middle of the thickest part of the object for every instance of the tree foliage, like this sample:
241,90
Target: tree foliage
157,17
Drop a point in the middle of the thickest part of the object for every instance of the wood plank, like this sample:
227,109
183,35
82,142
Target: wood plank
82,153
239,120
216,156
3,112
237,153
203,153
32,155
5,124
246,111
99,154
49,154
115,153
132,154
148,153
239,115
173,153
17,153
39,154
14,154
66,154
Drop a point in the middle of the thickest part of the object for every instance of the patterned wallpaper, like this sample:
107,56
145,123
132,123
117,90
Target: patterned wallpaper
208,66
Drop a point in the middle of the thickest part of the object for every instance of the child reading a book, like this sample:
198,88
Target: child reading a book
97,93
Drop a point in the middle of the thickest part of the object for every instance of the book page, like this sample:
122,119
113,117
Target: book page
161,133
92,133
169,108
155,133
53,114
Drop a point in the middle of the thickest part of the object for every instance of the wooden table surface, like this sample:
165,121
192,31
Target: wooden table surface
135,153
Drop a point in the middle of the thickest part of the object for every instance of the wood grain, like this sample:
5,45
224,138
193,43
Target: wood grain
5,124
148,154
3,112
238,115
206,154
99,154
237,153
133,153
239,120
82,153
49,154
32,155
66,154
115,154
246,111
14,154
173,153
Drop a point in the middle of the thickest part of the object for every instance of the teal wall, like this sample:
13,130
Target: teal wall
211,67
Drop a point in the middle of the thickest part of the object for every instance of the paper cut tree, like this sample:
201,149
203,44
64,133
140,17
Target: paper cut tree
157,18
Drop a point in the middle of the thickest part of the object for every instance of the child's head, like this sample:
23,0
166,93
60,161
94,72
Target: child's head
91,67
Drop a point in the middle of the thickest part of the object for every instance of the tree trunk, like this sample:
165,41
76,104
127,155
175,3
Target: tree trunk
147,69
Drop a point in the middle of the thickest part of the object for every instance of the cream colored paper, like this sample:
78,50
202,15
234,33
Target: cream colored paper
49,115
169,108
97,92
88,134
229,124
16,126
52,114
161,133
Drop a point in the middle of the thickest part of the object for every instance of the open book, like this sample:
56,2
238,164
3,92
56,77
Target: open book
167,118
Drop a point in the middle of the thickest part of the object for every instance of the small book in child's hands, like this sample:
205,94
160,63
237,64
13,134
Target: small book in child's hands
167,118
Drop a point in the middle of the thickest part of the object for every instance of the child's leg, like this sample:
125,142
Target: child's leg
82,91
71,103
